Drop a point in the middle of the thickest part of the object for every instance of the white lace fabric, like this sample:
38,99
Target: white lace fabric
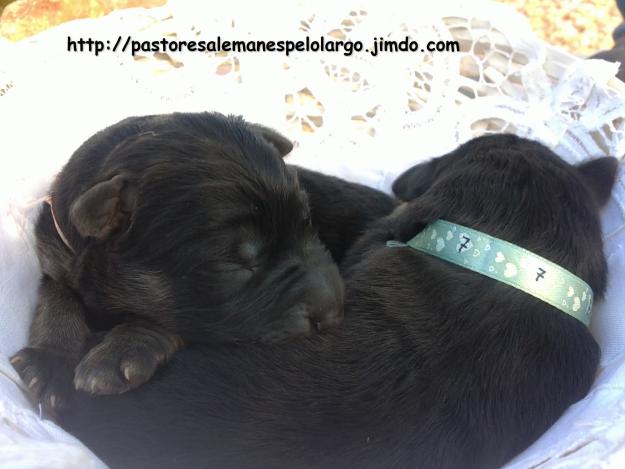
360,117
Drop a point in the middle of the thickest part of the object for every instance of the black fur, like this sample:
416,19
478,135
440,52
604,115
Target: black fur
181,228
342,210
434,366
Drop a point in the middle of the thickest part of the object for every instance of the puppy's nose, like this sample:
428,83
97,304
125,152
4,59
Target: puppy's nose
325,299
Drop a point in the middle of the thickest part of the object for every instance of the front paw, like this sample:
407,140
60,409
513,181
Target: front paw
47,373
121,363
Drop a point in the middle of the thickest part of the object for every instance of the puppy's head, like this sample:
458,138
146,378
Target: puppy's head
517,190
203,227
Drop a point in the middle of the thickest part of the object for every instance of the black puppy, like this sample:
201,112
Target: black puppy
435,366
170,229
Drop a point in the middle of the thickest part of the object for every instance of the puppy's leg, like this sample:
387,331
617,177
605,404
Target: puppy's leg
127,357
57,338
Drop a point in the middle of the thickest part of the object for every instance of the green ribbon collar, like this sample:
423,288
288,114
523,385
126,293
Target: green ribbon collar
507,263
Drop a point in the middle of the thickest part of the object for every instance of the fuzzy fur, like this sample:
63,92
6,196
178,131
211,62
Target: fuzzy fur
182,228
434,366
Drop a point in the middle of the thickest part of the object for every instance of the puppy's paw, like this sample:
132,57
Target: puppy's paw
47,374
123,362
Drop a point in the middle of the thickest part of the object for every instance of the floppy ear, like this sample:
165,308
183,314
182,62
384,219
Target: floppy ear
415,181
101,210
599,176
279,141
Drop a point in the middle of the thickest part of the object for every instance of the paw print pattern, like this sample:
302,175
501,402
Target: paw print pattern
510,271
576,304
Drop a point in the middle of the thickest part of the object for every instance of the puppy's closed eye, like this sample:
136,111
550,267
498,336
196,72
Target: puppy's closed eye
248,252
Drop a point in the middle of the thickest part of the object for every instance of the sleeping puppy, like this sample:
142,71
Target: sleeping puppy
434,366
164,230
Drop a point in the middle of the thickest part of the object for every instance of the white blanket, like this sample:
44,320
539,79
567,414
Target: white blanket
370,119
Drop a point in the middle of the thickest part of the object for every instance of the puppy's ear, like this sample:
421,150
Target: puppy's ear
279,141
415,181
102,210
599,176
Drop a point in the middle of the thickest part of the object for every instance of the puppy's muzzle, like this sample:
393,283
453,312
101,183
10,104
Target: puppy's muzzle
316,300
323,298
311,294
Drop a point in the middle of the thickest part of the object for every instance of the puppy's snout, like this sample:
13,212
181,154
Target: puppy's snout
324,298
